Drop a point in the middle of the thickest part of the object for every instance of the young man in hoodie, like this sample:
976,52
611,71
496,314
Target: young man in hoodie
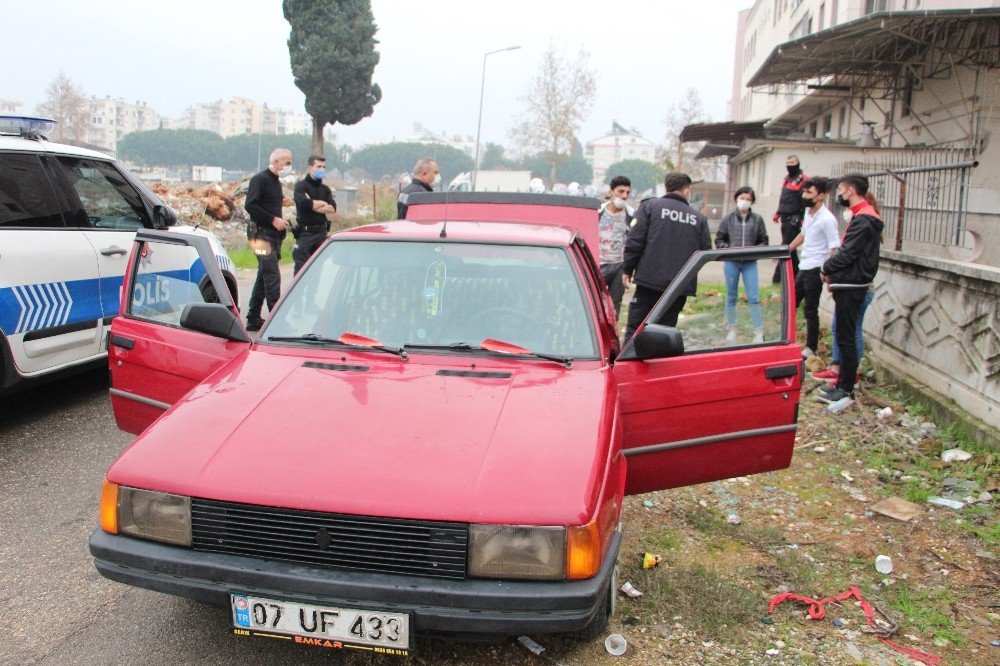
848,273
614,220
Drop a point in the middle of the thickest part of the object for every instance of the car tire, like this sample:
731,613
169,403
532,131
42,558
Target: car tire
597,625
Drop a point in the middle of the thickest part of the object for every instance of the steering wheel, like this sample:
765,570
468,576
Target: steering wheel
529,327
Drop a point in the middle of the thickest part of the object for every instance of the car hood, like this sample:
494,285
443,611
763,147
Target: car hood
399,439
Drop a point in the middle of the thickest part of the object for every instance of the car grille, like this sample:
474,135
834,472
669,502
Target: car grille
335,541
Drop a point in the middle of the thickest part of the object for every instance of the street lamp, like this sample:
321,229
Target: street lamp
479,128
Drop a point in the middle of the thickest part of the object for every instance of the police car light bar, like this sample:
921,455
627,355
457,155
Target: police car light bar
26,125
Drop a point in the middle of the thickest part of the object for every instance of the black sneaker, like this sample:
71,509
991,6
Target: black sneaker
254,323
831,395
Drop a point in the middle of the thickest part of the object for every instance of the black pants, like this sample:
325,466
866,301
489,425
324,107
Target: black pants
791,225
305,245
808,288
268,283
643,301
612,274
847,309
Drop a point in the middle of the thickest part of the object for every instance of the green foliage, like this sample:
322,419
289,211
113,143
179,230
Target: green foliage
389,160
493,158
569,170
333,57
241,151
644,175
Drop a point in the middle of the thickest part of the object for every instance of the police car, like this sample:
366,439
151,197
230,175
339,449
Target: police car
68,217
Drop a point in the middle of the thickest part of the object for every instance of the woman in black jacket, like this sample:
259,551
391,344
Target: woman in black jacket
742,228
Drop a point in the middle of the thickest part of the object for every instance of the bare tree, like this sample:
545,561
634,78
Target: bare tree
66,103
557,100
678,156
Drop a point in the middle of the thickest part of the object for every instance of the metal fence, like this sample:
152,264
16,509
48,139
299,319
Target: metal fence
923,194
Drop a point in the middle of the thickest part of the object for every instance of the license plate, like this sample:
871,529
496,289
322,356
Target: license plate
321,626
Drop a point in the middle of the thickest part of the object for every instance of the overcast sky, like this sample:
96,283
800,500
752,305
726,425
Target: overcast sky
645,53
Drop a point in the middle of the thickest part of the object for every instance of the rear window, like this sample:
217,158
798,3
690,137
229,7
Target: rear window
26,198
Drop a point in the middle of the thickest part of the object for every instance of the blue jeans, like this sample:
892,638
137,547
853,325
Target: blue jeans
733,270
869,295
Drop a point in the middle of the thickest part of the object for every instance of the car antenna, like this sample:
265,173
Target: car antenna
444,225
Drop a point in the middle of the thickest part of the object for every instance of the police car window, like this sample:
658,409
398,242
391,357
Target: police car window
108,200
26,199
168,277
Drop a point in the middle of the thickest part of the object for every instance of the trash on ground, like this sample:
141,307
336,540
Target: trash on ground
995,643
649,504
897,508
819,449
883,564
945,502
649,560
733,518
847,475
986,555
955,455
533,647
884,413
615,644
773,652
628,590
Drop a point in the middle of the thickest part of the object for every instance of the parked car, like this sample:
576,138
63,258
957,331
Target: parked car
433,433
68,217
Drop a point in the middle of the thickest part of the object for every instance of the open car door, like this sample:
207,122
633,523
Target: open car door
178,324
697,405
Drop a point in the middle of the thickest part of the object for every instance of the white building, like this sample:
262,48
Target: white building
111,119
9,106
242,115
620,144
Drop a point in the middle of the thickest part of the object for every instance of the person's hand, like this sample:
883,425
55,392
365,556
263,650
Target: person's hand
281,224
776,218
627,280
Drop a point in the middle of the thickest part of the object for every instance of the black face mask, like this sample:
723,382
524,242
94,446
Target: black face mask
843,202
793,169
808,203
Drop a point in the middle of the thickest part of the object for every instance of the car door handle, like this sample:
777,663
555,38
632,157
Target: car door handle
114,249
781,371
122,341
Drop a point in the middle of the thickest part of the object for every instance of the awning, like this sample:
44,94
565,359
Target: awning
884,42
710,150
727,132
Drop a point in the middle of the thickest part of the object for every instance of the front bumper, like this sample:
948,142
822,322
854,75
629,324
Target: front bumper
471,606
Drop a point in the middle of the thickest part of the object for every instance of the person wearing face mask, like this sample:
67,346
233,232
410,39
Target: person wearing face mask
849,273
818,238
313,202
742,228
426,176
266,232
790,211
614,220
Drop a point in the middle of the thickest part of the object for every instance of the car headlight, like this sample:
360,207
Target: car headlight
512,551
149,515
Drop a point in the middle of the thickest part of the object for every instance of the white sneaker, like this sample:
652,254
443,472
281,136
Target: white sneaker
806,352
758,337
731,336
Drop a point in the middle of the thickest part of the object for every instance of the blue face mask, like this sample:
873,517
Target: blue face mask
319,173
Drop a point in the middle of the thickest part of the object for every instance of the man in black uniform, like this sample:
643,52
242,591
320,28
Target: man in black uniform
667,231
425,176
790,211
266,232
313,201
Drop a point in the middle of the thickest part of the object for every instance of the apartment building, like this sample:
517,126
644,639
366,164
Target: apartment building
241,115
111,119
618,145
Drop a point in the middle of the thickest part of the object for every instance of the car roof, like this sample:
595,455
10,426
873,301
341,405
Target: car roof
11,142
500,233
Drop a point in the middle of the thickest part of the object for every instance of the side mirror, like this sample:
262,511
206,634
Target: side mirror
214,319
658,341
163,216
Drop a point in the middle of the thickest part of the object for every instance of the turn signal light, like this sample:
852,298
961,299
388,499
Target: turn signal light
583,551
109,507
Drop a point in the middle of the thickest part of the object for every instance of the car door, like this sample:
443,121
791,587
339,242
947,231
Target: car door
154,360
712,407
50,308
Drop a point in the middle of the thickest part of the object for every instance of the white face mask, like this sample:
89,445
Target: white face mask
743,205
848,215
437,180
618,203
285,171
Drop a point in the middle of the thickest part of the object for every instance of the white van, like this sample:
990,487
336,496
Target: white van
68,217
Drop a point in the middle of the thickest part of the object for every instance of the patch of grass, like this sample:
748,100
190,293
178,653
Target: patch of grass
916,494
924,610
989,534
662,541
244,257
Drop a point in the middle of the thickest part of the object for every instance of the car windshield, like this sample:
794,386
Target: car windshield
436,294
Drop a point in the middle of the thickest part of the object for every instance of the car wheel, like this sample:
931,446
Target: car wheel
604,612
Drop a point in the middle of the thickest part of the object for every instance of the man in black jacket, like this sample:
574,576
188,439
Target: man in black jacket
425,176
790,211
313,202
266,232
849,273
666,233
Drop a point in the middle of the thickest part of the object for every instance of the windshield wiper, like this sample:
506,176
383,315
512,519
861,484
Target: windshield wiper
497,346
348,340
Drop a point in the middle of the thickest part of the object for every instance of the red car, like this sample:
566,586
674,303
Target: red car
433,433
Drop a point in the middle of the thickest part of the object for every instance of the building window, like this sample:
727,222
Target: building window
813,128
872,6
822,15
907,106
842,123
828,126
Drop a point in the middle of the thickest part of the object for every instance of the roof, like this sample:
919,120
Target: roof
725,132
497,233
710,150
11,142
883,42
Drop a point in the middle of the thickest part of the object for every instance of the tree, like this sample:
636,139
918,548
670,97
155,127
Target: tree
66,103
679,156
493,158
183,147
392,159
569,170
644,175
557,100
333,58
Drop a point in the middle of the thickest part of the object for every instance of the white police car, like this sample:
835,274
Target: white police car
68,217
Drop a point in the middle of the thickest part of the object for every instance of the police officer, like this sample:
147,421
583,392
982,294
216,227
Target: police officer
791,211
426,176
667,231
313,202
266,232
